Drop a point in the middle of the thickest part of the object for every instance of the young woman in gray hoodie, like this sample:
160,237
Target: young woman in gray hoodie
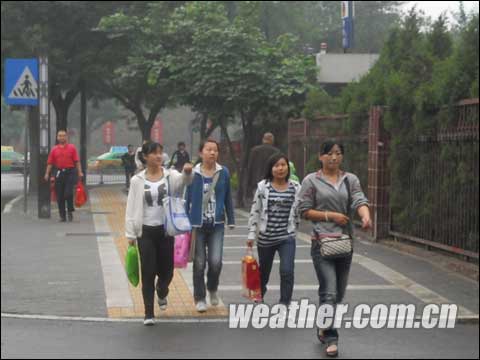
324,200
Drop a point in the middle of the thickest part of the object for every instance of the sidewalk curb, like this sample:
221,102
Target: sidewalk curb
461,320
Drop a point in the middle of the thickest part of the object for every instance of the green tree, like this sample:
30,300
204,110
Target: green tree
228,70
13,124
29,29
139,77
422,68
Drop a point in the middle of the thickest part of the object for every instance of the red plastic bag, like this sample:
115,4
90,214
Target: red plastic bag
251,277
80,195
53,193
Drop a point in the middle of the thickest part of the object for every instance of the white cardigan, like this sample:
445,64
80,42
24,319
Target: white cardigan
134,212
258,219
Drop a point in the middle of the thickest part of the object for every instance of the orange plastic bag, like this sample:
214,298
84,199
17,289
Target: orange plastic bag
80,195
251,277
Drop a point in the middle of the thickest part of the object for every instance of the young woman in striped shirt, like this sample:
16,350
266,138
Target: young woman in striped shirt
273,223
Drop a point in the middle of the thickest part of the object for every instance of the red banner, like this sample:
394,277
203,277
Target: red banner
157,131
109,133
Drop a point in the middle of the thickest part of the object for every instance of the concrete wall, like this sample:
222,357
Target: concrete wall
344,68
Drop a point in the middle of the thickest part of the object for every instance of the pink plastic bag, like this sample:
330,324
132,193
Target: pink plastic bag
182,250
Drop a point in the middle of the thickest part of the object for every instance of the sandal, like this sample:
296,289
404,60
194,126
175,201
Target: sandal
332,353
321,338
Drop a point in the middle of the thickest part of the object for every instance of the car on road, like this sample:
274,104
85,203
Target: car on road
18,163
12,160
110,161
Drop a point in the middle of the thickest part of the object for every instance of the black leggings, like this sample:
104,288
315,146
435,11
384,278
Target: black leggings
156,257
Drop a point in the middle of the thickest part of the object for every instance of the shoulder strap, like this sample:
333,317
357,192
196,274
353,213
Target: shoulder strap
212,188
349,206
167,178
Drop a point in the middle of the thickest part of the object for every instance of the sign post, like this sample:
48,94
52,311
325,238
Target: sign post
44,209
347,22
21,89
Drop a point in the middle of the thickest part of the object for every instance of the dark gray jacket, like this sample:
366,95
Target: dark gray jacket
257,165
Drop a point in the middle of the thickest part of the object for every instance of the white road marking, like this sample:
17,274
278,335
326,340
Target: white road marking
11,203
312,287
115,279
112,320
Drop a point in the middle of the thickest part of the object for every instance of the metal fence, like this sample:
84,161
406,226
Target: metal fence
106,177
434,180
435,202
307,136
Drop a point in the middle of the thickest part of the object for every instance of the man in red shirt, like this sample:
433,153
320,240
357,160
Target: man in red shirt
64,158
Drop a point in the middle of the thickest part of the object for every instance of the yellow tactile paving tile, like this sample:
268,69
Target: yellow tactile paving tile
180,300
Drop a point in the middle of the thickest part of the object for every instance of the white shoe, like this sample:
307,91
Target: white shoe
214,300
149,322
201,307
163,304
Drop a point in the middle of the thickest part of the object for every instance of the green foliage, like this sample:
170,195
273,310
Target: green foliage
318,102
234,182
422,70
313,164
13,123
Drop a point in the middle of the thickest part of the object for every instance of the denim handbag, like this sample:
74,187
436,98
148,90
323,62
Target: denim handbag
176,218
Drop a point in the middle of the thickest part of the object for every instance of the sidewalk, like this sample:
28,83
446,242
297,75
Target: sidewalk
77,269
108,203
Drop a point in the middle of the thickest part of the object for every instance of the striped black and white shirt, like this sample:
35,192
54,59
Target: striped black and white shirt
279,207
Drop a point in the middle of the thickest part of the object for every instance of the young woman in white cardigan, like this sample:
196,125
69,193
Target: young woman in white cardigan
144,222
273,224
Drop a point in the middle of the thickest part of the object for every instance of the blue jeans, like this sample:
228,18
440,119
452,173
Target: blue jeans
211,238
286,251
333,278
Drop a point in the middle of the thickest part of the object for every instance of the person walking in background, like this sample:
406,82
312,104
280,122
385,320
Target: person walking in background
257,162
180,157
64,158
128,162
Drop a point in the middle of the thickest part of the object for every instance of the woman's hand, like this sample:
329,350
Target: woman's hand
338,218
250,243
366,223
364,213
132,242
187,168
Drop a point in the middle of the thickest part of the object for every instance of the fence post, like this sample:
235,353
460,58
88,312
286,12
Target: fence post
378,174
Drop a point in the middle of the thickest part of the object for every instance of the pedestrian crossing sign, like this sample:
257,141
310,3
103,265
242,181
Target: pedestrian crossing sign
21,82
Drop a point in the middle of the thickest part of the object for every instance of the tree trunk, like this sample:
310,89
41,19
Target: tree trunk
203,127
247,124
142,123
61,115
83,130
230,146
62,105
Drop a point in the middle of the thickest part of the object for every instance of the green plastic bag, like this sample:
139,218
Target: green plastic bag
131,265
